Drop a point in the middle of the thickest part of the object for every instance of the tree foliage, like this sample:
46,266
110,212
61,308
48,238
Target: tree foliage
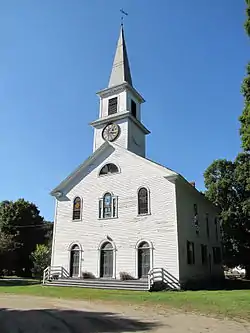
6,243
247,22
41,259
245,89
21,222
228,187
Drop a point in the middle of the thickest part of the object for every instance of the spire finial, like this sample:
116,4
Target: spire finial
122,16
120,72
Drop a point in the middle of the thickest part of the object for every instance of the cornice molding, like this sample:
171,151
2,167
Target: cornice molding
119,116
118,89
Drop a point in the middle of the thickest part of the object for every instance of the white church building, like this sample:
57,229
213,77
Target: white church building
120,214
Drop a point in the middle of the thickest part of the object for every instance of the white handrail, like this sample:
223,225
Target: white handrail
159,274
54,270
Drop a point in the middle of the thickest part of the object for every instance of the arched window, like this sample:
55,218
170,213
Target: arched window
108,169
77,208
108,206
143,201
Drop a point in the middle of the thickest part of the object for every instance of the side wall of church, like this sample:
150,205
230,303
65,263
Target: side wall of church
136,139
159,228
187,196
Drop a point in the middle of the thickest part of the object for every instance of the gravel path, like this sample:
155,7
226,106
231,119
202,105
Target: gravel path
26,314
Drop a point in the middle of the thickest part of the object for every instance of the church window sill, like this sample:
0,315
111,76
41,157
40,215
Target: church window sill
146,214
107,218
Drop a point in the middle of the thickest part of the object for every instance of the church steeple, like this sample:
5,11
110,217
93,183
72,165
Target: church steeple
120,72
120,107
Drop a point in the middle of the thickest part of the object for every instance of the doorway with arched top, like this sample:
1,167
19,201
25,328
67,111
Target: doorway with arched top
74,261
106,262
143,260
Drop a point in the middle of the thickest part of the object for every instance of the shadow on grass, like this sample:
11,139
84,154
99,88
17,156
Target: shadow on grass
226,284
237,284
68,321
17,282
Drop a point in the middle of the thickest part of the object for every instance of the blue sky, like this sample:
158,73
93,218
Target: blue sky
187,59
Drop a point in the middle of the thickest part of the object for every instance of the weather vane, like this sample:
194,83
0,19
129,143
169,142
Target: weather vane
122,17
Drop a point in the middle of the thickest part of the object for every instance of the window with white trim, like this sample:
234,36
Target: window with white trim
133,108
207,225
112,107
217,255
143,201
204,256
77,206
108,206
216,227
190,253
196,219
108,169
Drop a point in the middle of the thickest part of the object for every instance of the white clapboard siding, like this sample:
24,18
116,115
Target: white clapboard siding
187,196
159,228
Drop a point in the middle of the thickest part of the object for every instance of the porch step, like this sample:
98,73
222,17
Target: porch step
100,284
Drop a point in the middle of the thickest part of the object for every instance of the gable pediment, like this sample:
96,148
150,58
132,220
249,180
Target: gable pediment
83,170
97,159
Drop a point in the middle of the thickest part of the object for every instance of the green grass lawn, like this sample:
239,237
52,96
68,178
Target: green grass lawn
234,304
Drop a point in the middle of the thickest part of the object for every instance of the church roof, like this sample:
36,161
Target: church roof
120,72
88,162
69,181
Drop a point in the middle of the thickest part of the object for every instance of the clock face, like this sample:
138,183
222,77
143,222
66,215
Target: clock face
111,132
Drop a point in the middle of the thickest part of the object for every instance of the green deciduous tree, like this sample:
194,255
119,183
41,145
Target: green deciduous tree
228,187
22,221
245,89
41,259
7,256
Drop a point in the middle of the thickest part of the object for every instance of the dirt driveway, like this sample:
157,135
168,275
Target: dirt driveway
25,314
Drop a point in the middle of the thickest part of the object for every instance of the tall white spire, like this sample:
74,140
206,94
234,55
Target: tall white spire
120,71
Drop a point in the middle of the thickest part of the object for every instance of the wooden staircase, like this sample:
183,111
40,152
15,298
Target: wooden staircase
158,279
139,285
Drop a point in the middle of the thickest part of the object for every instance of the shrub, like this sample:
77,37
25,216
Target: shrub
88,275
126,276
41,259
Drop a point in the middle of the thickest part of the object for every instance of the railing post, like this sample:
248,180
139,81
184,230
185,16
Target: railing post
149,280
44,275
61,272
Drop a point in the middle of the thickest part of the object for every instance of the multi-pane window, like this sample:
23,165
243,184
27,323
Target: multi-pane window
196,220
190,253
133,108
108,206
217,255
204,254
216,227
108,169
77,208
143,201
207,225
112,108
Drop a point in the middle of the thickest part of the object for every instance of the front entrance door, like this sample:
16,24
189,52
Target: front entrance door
74,261
143,260
107,261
